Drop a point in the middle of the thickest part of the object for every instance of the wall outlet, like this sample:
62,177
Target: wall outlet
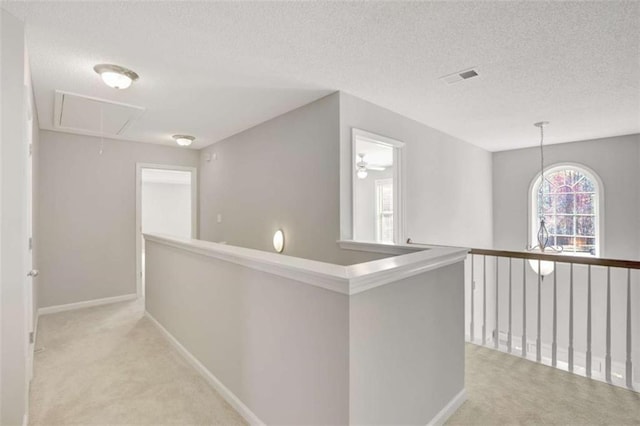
219,218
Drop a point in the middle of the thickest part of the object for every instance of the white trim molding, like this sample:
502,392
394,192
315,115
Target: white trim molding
212,380
348,280
86,304
394,249
449,409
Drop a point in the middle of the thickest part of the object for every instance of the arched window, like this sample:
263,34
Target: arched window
570,203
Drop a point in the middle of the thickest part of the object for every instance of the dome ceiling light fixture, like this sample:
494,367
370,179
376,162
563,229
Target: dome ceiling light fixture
183,140
116,76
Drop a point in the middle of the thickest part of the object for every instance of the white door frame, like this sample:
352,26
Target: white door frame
28,294
194,210
399,179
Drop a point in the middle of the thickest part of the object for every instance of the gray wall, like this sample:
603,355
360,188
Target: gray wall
88,213
279,345
13,224
615,160
280,174
294,353
286,173
407,348
448,181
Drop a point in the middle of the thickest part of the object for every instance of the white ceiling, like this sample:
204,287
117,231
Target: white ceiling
375,154
212,69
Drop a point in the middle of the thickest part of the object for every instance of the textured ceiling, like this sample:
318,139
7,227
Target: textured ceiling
212,69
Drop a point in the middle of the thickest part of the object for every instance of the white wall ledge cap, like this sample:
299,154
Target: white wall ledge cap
347,280
380,248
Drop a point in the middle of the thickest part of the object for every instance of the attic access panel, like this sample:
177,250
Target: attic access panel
86,114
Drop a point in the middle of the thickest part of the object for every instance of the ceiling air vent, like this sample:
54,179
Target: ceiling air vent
460,75
93,116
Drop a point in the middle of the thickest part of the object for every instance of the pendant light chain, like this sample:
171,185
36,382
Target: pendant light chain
542,181
543,233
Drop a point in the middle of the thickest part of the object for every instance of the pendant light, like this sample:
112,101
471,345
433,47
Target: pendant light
542,267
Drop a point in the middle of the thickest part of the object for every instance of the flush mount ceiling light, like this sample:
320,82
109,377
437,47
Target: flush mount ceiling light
183,140
116,76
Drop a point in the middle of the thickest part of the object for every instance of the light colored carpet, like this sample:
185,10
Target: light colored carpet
110,365
505,389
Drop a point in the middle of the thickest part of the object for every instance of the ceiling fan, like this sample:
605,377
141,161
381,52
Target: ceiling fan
362,167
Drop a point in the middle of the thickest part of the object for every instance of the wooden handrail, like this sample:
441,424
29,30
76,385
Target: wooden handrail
560,258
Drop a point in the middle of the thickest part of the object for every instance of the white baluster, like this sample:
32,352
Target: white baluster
554,344
539,324
628,366
524,308
588,365
607,358
496,342
509,331
571,319
484,300
472,326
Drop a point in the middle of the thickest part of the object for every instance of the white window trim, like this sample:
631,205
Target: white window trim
399,199
378,183
532,229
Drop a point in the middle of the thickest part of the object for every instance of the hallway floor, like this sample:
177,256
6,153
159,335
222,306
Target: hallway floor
505,389
110,365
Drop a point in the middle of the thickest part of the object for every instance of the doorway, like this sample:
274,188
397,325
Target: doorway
377,192
166,203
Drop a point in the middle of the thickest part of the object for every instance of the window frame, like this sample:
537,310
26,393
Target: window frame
380,213
533,219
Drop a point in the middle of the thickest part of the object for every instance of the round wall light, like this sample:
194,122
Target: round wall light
116,76
278,241
183,140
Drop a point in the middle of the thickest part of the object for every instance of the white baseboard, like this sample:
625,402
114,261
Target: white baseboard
579,359
85,304
213,381
449,409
